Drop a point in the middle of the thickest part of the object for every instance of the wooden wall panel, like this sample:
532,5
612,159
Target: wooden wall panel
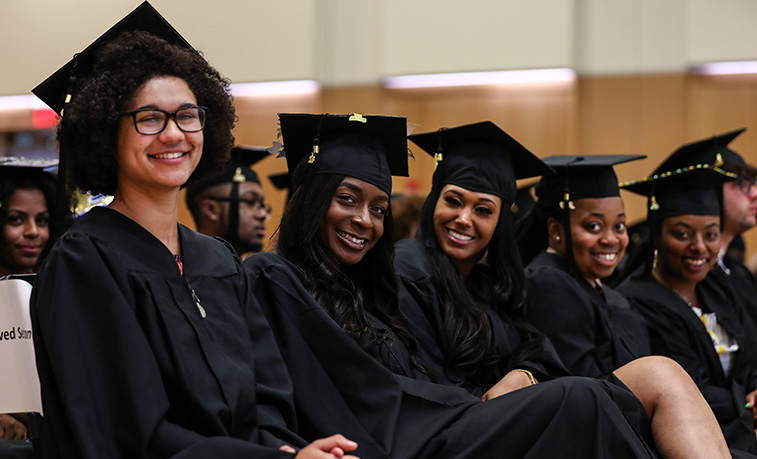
647,114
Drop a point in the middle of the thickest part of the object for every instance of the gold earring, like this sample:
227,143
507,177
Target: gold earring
654,260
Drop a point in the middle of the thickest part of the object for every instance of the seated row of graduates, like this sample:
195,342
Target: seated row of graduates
155,341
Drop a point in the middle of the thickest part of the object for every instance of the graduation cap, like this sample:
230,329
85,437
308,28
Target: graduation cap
480,157
524,201
18,169
12,165
56,90
693,190
371,148
282,181
237,170
581,177
713,151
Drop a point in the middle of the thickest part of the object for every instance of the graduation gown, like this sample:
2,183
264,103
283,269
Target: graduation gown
130,367
678,333
395,416
593,332
422,306
741,284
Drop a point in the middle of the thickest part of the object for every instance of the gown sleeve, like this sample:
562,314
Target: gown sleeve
101,383
561,311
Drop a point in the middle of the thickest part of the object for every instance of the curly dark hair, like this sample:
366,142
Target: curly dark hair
122,67
746,171
499,286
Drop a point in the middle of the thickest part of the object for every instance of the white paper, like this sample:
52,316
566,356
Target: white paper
19,383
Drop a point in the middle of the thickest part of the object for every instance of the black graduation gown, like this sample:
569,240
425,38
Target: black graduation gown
678,333
592,334
394,416
421,305
129,368
741,283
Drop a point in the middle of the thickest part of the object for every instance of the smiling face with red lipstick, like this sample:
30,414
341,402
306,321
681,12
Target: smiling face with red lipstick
687,249
464,222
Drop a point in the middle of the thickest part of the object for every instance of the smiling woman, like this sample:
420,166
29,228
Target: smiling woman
573,238
331,294
692,319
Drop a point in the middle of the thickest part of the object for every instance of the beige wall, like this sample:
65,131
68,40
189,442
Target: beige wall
633,95
349,42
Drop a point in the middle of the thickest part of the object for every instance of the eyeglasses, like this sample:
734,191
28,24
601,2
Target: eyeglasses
151,121
745,184
256,204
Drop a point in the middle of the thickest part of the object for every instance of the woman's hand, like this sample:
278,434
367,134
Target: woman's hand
512,381
751,400
325,448
11,428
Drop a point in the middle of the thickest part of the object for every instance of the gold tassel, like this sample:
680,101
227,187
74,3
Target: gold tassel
654,205
311,159
239,176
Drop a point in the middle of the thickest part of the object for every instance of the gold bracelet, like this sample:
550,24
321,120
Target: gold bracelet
528,373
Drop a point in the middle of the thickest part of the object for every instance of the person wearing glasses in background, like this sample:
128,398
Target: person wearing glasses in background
231,205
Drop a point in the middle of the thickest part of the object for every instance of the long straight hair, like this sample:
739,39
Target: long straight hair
467,341
347,293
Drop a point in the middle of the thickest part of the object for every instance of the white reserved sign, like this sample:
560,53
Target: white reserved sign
19,383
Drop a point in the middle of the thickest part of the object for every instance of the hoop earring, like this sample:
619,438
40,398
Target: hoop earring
654,260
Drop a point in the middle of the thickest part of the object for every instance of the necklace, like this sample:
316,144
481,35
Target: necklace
684,298
676,291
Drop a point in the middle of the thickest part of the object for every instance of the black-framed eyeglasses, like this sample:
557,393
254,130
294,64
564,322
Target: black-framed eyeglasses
745,184
151,121
256,204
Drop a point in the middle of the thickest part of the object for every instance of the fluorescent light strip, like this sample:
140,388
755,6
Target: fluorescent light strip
480,78
725,68
275,88
21,103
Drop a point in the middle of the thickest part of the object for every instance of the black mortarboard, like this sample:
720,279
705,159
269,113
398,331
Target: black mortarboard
237,170
13,165
282,181
686,191
57,90
586,176
371,148
579,177
523,202
54,89
480,157
713,151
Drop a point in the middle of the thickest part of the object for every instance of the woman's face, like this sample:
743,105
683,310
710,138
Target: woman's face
159,161
598,230
354,221
688,247
464,223
25,231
